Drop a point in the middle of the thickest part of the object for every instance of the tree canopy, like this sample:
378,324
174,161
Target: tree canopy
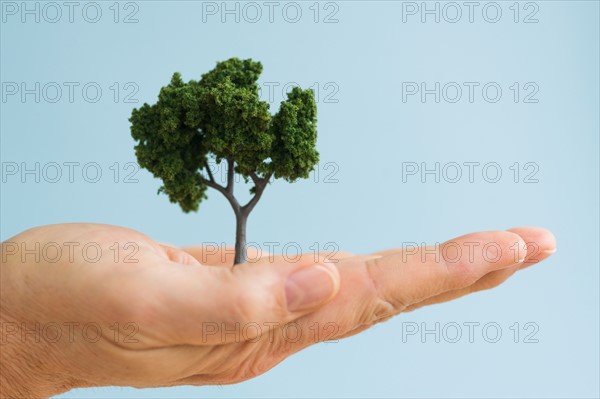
222,117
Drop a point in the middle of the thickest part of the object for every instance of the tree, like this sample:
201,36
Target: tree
221,118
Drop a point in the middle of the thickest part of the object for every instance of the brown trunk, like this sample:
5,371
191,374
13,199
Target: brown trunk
240,237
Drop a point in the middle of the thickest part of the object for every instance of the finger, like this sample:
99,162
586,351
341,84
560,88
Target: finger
540,244
488,281
381,287
419,273
216,305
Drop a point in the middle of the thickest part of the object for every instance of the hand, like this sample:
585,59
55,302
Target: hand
86,305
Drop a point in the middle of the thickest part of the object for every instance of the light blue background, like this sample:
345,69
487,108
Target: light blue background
368,133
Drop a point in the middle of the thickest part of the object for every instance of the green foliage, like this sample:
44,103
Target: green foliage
221,116
242,73
295,132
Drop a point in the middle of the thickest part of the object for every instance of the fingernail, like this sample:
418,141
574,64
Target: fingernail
309,287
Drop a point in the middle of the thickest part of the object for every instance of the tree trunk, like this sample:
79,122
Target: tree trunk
240,237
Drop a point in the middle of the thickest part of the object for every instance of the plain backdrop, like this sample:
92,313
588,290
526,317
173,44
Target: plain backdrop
364,58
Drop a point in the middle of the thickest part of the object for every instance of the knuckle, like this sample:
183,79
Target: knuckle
460,272
383,305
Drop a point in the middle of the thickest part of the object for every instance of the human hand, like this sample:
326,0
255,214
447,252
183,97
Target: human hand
128,311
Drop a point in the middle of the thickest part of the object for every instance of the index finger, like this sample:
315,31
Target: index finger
374,289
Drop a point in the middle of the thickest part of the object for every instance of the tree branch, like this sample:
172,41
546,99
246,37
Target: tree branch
215,185
210,175
259,186
267,177
255,178
230,167
234,203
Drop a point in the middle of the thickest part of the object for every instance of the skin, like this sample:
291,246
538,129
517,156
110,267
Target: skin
170,297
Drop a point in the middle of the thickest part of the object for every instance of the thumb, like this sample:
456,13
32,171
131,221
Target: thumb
247,301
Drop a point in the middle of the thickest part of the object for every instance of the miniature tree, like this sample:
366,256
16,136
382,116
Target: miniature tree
221,118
